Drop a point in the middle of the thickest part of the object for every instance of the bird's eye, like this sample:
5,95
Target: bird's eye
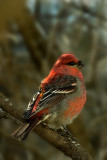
71,63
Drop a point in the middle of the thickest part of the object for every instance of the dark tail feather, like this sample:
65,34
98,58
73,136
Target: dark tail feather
22,132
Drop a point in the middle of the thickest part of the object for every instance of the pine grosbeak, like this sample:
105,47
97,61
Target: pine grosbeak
60,99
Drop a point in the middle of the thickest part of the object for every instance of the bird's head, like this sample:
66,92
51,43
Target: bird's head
68,64
69,60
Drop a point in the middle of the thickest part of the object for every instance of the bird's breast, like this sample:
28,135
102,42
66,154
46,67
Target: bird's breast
74,106
68,109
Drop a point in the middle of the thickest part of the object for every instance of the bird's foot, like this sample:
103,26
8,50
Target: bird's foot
70,136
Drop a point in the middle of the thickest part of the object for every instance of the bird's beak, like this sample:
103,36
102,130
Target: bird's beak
80,64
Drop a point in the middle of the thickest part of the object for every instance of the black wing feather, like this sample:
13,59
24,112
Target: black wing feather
54,92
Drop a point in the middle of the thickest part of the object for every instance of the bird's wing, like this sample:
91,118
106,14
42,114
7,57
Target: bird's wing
51,93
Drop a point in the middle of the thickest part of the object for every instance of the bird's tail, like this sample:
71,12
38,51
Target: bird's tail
22,132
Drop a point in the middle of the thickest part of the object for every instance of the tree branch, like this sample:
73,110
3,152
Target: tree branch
86,9
35,41
60,139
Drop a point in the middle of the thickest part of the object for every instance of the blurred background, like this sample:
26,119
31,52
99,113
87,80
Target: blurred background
33,34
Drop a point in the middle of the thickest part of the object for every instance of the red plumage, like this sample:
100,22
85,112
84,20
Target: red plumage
61,97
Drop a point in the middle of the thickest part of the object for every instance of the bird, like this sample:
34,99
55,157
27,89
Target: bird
60,98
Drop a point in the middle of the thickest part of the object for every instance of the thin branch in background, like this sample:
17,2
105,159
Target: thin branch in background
86,9
93,57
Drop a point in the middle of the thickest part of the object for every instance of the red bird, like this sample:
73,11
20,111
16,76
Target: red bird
60,99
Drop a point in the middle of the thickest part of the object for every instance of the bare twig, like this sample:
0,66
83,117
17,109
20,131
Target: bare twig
4,115
93,57
88,10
